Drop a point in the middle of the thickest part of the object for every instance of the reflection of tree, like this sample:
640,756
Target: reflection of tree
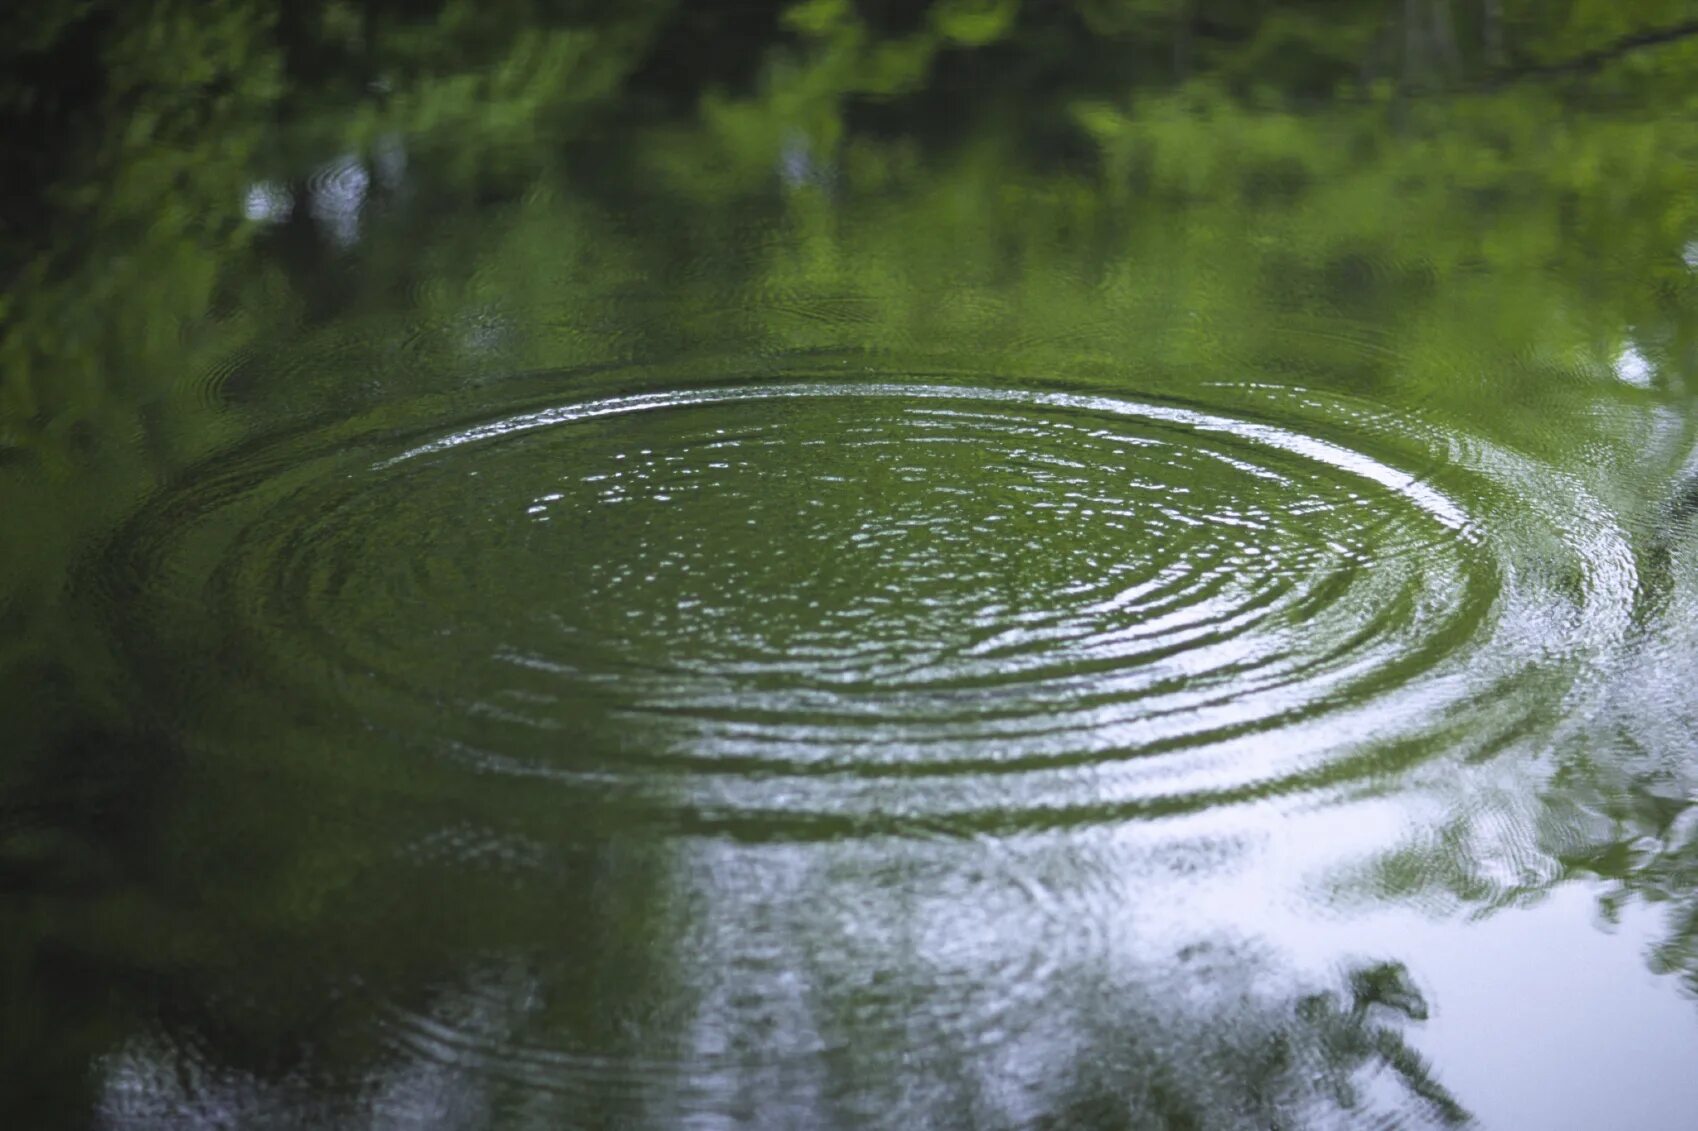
142,126
1624,809
444,968
1618,806
342,903
1309,1067
1531,240
376,945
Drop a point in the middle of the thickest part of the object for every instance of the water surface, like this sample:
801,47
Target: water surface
558,590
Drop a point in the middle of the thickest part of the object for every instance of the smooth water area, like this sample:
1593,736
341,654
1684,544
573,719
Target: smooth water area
527,601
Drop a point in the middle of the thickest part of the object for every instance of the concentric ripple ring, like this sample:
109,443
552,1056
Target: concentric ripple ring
811,600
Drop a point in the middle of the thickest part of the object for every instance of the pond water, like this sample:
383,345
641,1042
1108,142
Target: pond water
806,566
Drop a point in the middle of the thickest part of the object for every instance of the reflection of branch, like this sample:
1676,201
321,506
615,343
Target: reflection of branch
1414,1070
1592,60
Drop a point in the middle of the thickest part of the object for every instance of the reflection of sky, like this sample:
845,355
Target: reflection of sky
1540,1017
1633,368
339,190
267,202
853,984
1545,1021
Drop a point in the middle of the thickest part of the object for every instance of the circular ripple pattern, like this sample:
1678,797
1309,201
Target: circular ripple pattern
854,601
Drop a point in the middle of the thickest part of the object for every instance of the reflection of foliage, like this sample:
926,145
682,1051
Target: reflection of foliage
1220,224
1300,1062
1617,806
1376,991
139,126
1628,816
1501,227
853,178
481,935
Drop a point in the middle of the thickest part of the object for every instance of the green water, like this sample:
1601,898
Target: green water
1079,566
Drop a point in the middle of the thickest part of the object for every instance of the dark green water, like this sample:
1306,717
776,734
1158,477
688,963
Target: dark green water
807,566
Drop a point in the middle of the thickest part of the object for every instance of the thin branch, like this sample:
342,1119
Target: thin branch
1594,60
